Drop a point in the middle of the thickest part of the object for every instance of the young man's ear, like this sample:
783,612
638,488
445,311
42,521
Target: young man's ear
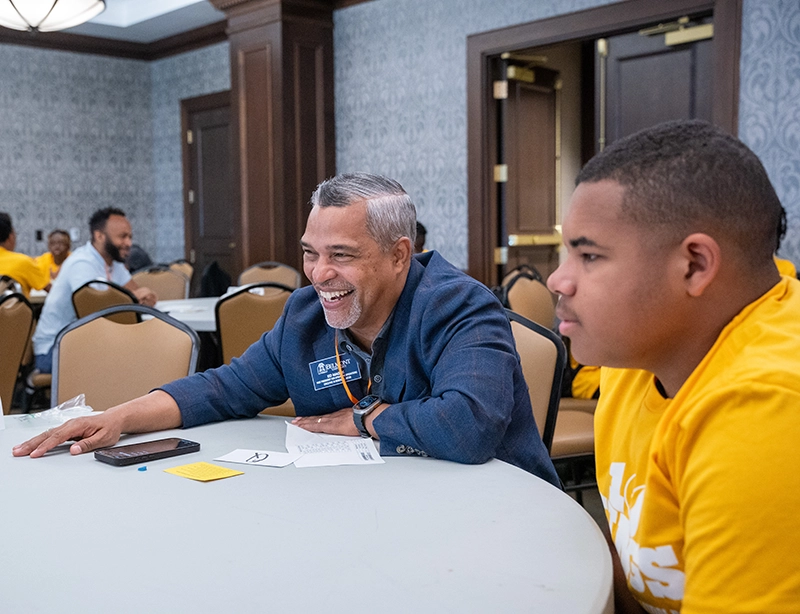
702,258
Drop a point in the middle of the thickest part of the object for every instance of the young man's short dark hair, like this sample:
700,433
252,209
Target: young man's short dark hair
691,174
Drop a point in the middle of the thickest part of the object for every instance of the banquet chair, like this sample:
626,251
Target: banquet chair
99,294
184,267
572,450
270,271
531,299
167,283
243,316
542,355
111,363
16,322
10,284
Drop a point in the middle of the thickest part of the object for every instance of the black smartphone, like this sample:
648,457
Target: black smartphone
146,451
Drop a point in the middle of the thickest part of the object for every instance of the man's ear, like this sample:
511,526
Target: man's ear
702,259
402,252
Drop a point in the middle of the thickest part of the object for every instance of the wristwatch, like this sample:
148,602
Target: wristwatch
362,409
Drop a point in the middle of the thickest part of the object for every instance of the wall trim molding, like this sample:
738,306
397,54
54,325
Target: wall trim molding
79,43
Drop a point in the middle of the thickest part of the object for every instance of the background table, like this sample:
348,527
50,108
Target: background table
196,312
414,534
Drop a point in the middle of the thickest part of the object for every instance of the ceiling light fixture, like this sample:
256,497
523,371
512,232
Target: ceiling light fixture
47,15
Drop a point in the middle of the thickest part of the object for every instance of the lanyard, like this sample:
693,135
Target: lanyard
341,371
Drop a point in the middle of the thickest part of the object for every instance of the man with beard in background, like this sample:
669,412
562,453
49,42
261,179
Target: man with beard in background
103,258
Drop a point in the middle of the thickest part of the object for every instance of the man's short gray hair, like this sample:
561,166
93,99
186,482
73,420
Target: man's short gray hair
390,212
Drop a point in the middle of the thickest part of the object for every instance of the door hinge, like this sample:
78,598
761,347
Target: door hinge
190,196
189,137
500,90
602,47
501,255
500,173
192,256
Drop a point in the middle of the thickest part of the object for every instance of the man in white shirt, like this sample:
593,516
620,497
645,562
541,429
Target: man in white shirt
103,257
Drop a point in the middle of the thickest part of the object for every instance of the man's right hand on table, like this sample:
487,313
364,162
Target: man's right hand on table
89,433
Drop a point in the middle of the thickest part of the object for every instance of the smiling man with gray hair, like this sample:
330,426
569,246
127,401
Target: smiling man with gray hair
406,349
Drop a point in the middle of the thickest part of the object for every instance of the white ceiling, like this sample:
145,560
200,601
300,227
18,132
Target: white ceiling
145,21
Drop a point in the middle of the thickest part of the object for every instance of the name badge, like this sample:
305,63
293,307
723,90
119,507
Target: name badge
325,373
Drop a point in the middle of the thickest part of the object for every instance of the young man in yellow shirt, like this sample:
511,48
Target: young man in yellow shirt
670,281
58,250
22,268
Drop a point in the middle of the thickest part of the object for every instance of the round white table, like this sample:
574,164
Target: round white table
413,534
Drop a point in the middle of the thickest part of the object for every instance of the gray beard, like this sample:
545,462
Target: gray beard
346,320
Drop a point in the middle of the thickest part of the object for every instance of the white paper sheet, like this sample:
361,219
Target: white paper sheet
264,458
320,450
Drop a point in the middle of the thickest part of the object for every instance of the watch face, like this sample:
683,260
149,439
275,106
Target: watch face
367,401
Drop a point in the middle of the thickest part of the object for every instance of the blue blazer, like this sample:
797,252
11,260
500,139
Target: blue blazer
447,364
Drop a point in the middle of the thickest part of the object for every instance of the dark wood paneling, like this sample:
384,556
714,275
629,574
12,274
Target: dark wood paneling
282,88
615,18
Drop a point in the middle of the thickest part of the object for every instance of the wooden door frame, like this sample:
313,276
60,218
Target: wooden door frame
593,23
208,102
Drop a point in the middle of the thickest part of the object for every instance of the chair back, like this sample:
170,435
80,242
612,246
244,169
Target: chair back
9,283
99,294
184,267
168,284
275,272
243,316
531,299
16,321
112,363
542,356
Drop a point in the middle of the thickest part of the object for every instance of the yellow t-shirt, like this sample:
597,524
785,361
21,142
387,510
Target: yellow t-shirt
702,491
23,269
47,264
785,267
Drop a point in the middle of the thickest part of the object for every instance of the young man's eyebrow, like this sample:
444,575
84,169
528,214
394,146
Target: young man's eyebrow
582,242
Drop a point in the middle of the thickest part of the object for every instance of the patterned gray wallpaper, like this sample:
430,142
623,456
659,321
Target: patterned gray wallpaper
80,132
769,101
65,149
401,103
400,110
173,79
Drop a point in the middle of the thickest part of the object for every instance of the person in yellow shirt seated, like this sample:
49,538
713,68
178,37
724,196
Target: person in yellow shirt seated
20,267
670,284
58,246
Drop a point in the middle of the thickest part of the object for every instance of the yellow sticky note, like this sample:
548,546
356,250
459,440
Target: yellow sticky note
203,472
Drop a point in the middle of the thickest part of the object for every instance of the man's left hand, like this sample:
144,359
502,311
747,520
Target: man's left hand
146,296
338,423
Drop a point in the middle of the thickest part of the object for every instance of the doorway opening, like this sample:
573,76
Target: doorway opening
545,96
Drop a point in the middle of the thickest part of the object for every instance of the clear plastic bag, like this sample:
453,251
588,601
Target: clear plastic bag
73,408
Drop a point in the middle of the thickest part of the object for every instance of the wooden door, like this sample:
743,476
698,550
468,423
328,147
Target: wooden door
211,213
646,80
529,150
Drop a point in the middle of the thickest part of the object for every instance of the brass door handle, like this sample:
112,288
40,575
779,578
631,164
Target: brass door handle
553,238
